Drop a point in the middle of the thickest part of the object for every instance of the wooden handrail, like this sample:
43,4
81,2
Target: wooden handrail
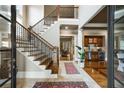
117,20
5,18
42,39
35,35
8,79
50,14
43,19
4,50
31,27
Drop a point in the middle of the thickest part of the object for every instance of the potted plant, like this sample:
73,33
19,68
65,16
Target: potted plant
82,56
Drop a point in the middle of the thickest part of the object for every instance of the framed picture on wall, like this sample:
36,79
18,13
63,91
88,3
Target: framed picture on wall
95,40
90,40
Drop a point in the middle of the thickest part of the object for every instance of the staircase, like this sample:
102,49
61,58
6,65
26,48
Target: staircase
36,49
39,28
30,42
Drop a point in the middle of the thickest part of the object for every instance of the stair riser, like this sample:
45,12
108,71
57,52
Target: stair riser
31,74
43,67
25,45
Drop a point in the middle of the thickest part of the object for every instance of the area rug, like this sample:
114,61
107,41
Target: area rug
68,84
70,68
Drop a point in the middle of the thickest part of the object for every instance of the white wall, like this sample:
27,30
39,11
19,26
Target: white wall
4,25
69,21
52,35
27,68
24,64
34,13
86,12
68,32
80,38
25,14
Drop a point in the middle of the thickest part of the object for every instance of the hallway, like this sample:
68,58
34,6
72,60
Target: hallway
62,77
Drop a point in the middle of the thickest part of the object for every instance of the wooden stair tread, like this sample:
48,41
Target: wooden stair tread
5,59
35,54
26,47
18,39
45,61
54,68
24,43
30,50
40,57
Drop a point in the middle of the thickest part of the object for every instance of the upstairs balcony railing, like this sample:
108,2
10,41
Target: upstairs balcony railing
59,12
67,12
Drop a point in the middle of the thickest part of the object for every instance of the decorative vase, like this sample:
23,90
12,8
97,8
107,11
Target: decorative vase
82,63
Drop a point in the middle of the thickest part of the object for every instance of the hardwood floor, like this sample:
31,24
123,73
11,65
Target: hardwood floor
97,76
97,72
61,77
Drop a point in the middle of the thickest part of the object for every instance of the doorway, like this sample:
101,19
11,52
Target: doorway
66,48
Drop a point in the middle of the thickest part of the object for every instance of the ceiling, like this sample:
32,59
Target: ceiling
101,17
66,38
5,8
98,22
119,7
70,27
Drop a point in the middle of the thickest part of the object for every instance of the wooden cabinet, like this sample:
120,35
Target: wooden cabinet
94,56
96,40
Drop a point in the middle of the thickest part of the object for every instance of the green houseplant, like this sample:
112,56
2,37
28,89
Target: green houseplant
82,55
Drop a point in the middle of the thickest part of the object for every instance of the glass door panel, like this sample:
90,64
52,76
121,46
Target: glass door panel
119,47
5,48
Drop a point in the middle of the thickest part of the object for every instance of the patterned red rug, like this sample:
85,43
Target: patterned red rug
70,68
60,85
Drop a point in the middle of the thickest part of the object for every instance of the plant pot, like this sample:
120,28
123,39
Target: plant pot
82,64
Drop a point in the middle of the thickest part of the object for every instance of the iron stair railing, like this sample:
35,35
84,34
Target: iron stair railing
32,42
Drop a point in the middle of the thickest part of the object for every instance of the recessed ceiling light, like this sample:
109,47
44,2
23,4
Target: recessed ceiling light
66,27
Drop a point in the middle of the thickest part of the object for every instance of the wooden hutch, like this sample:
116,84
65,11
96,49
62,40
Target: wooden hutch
96,41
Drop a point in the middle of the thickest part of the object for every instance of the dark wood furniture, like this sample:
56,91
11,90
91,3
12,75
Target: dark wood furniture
94,56
96,40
